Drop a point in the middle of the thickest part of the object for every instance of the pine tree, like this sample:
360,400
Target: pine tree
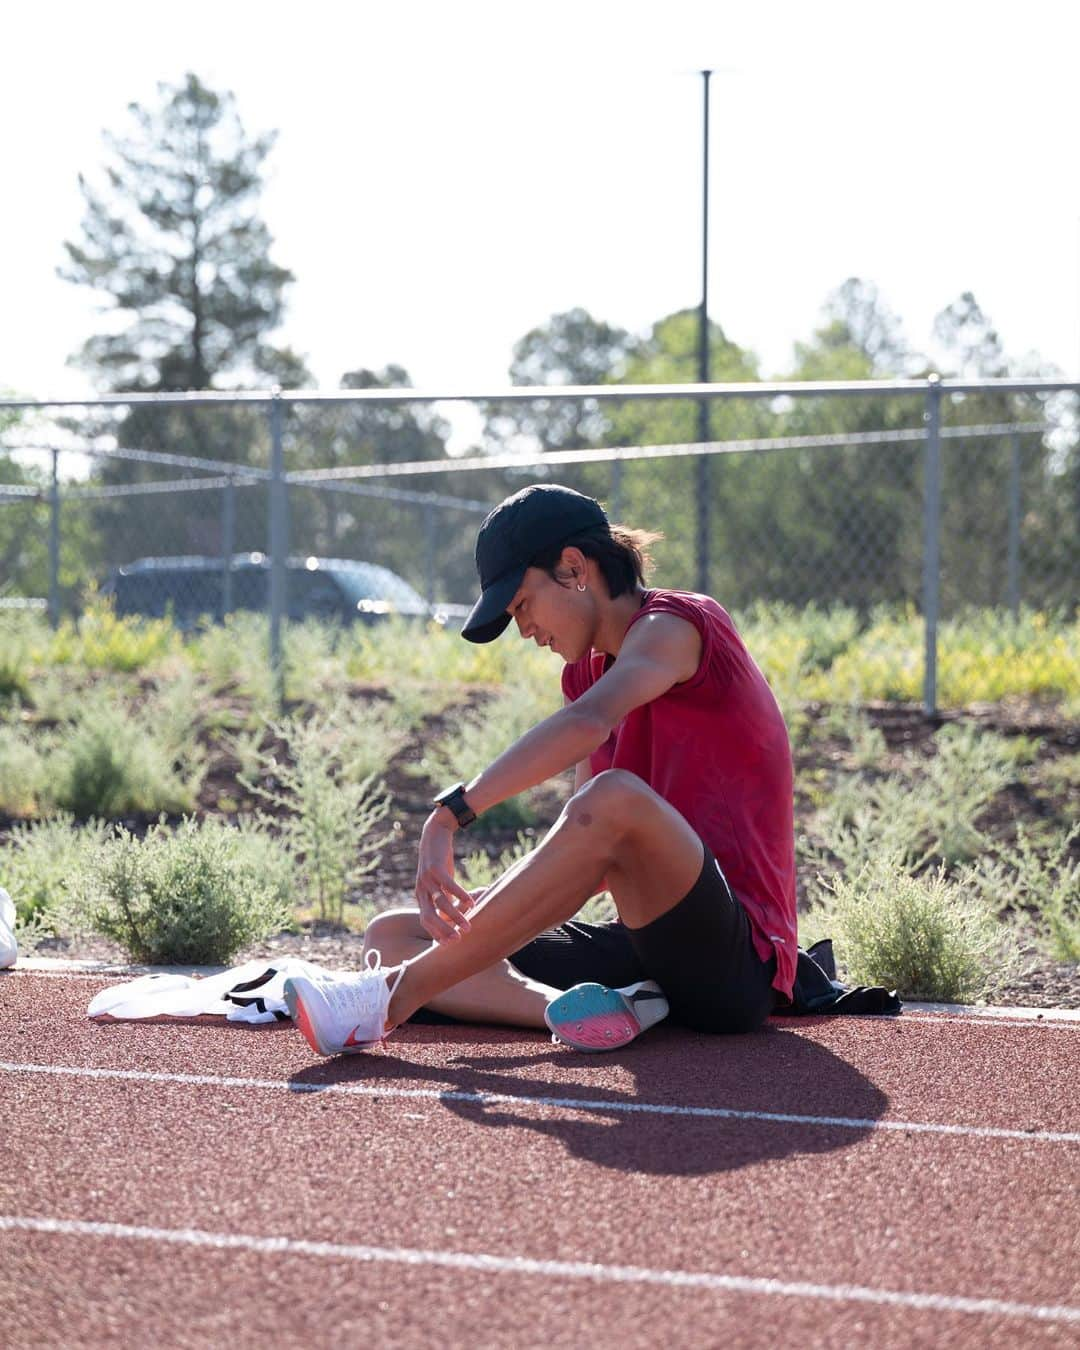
174,240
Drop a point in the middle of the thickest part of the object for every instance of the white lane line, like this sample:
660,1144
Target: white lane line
523,1265
1062,1023
618,1106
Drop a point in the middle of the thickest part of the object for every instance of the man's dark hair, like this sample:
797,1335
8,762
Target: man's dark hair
622,554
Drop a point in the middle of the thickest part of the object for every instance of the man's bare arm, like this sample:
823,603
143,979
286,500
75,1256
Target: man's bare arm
661,650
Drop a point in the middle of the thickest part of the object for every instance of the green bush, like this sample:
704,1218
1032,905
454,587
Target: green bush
1045,884
40,866
22,770
191,896
110,762
970,768
329,811
236,655
917,817
16,637
922,935
99,640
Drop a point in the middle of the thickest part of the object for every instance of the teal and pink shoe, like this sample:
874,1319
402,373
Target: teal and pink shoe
594,1017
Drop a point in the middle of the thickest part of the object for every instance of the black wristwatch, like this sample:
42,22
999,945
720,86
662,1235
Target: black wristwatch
454,799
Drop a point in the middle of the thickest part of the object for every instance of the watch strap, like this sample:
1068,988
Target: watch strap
454,800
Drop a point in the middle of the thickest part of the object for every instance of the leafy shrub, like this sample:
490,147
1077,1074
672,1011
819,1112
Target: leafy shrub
922,935
369,735
412,701
236,654
247,746
22,770
820,634
109,763
311,660
884,662
915,819
195,895
40,866
56,695
101,641
173,713
386,653
848,722
16,637
1046,884
968,770
329,810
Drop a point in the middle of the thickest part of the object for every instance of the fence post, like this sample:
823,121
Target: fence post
228,544
278,547
1014,529
931,540
429,555
54,543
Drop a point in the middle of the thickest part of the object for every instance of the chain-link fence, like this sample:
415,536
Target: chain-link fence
931,520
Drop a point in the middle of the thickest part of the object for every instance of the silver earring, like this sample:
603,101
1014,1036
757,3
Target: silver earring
580,586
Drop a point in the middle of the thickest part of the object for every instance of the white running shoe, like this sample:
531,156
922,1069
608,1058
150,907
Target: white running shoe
594,1017
9,950
342,1014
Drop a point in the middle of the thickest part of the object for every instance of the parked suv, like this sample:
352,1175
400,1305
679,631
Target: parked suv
327,588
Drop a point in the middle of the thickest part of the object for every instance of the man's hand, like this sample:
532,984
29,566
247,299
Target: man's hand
444,905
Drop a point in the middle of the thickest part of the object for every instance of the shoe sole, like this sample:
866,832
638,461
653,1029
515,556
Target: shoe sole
592,1017
299,1015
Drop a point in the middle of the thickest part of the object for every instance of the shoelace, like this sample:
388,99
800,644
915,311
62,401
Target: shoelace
362,994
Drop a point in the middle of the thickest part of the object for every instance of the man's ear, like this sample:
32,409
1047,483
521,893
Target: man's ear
575,561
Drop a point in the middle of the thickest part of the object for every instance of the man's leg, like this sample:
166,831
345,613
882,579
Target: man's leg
500,994
616,832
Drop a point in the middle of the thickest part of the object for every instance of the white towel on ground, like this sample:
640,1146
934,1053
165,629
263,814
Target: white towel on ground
253,992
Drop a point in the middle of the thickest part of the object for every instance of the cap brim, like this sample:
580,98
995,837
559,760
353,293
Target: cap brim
489,617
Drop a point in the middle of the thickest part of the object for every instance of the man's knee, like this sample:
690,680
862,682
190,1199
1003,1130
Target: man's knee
608,800
392,930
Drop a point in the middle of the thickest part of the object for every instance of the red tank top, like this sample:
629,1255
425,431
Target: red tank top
717,749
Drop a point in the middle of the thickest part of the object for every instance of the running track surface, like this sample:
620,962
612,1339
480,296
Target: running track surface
904,1181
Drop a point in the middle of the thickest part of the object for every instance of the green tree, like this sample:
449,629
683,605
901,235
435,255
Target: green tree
976,474
378,529
661,494
173,239
570,348
857,319
845,520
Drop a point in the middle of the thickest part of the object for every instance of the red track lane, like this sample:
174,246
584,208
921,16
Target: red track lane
952,1215
115,1293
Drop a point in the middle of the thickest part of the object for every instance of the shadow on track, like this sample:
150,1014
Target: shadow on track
773,1071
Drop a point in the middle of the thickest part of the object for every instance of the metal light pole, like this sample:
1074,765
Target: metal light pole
703,465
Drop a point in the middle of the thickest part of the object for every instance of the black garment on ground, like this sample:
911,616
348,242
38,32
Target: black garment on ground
818,991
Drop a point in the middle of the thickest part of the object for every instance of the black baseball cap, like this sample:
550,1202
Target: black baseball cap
532,520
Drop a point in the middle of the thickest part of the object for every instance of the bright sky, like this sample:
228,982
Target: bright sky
448,175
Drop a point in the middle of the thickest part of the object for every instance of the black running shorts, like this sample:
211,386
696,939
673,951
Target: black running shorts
700,953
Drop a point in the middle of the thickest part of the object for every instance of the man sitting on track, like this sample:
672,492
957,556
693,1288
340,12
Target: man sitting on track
682,808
